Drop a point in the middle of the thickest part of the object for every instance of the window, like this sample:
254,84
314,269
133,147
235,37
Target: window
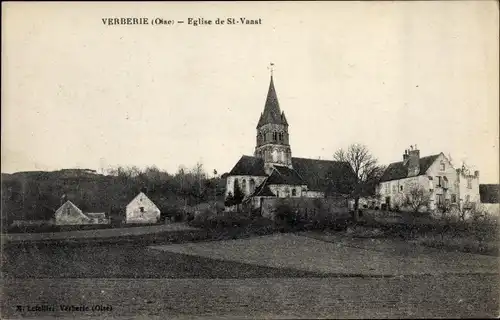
294,192
275,136
442,166
445,182
277,193
141,209
281,136
394,188
453,198
252,185
400,188
469,183
439,181
467,198
244,186
439,198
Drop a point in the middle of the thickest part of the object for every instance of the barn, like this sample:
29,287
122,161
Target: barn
142,210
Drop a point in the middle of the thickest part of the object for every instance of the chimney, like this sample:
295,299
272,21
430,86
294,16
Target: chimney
413,162
476,174
405,156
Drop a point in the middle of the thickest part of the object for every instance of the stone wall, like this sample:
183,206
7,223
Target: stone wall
306,207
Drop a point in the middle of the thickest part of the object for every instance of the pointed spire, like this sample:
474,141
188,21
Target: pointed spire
272,112
283,118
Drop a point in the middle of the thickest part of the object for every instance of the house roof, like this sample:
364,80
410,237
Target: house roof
272,112
263,190
96,214
248,166
145,197
489,193
321,175
399,170
73,208
285,175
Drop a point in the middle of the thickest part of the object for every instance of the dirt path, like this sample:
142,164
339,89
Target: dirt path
99,233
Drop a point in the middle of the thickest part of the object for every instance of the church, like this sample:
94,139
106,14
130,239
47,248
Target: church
272,171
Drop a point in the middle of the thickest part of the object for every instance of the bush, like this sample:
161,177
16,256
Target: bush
285,215
210,219
175,214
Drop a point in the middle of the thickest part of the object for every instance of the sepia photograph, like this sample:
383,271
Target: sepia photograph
250,160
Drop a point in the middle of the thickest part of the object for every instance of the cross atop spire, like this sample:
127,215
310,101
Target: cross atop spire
271,67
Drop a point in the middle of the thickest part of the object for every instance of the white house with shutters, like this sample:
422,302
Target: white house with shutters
142,210
436,175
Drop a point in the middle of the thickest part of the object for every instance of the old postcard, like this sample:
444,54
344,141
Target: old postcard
240,160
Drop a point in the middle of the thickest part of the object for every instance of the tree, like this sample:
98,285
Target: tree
229,202
238,194
366,172
416,197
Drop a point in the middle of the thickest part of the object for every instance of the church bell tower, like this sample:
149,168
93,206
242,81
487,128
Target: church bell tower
273,144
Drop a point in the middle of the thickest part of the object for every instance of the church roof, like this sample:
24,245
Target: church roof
272,112
285,175
324,175
248,166
318,175
489,193
399,170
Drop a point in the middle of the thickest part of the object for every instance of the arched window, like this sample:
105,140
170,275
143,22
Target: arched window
277,193
252,185
294,192
282,156
244,186
275,136
275,155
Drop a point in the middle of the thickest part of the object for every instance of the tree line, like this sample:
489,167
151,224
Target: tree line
37,195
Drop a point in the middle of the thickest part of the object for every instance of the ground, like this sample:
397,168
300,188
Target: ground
293,275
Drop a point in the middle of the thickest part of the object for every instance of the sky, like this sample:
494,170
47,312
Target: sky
80,94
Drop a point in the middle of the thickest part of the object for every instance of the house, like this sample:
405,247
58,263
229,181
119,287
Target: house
142,210
434,175
490,198
69,214
272,172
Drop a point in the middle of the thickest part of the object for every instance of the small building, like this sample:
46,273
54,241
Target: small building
142,210
98,217
490,198
70,214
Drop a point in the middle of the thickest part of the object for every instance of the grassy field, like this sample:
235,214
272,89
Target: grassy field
446,296
125,261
